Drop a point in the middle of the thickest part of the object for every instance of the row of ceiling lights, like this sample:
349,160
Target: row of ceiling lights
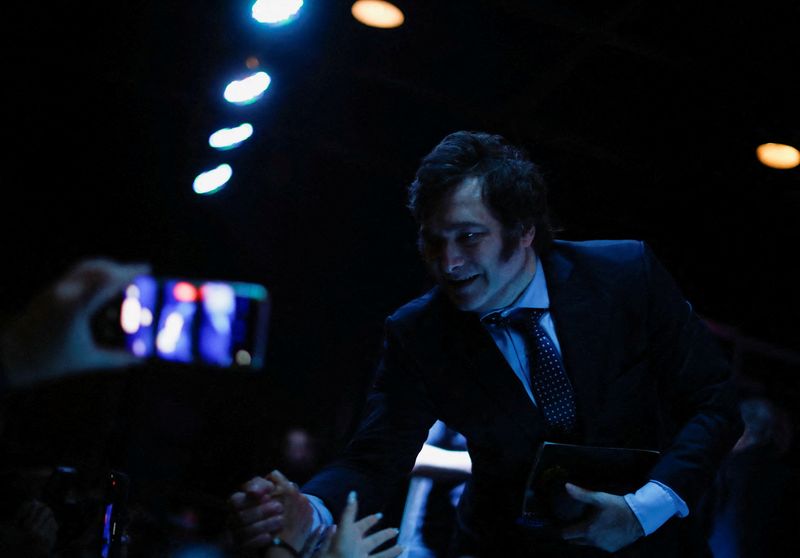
374,13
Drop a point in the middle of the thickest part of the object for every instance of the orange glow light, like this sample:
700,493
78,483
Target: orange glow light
778,155
184,292
377,13
252,63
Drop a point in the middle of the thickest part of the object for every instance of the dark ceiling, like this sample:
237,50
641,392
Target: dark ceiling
645,116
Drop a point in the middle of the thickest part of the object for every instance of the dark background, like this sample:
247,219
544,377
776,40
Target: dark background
645,117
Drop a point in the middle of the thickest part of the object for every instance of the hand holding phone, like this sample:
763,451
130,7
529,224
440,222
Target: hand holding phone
53,337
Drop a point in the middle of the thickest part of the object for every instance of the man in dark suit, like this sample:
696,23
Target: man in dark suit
638,367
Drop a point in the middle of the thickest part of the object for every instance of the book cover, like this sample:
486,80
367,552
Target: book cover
547,507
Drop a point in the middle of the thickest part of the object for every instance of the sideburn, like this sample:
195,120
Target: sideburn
511,237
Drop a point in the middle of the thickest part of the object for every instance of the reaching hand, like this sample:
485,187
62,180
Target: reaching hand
53,336
297,512
611,525
254,516
349,539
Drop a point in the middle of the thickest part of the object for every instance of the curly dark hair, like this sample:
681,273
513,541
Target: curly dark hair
512,185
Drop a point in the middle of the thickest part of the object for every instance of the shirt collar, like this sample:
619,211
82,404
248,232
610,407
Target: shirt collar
534,295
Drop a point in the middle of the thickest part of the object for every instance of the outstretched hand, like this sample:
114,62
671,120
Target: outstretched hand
611,524
254,516
269,507
297,516
350,538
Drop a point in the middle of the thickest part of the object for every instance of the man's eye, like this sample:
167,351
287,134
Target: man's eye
470,238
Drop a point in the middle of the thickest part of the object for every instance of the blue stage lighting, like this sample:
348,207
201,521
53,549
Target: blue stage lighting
247,90
212,181
228,138
276,12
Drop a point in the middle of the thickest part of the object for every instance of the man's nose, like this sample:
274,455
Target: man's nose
451,258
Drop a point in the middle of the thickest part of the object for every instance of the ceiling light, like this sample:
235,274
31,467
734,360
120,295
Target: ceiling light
377,13
211,181
228,138
247,90
778,155
276,12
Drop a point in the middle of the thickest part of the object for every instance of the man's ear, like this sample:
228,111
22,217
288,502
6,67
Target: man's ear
526,240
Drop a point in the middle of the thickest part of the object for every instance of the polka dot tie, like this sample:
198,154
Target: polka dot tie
549,382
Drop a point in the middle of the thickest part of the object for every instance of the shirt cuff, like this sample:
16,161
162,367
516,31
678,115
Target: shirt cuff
322,516
654,504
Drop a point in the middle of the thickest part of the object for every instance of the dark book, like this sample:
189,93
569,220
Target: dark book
547,507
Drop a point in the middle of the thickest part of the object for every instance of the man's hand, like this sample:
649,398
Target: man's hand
254,515
611,524
298,515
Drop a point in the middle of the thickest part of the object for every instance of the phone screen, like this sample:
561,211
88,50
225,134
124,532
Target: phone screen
218,323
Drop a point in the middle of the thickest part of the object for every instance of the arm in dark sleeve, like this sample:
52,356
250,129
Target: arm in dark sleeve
697,391
382,452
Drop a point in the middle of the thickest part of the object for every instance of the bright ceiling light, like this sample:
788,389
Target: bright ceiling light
276,12
377,13
211,181
778,155
247,90
228,138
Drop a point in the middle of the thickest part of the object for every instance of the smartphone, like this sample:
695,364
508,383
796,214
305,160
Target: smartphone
210,322
115,515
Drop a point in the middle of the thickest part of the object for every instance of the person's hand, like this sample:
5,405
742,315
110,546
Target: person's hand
350,539
254,515
611,524
53,336
298,514
38,524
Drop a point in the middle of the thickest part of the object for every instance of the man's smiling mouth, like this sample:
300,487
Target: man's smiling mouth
462,283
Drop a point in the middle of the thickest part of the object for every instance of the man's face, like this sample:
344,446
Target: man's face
462,244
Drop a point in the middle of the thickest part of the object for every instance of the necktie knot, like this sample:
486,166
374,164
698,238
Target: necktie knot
519,318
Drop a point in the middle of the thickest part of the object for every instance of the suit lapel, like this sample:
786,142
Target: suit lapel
477,358
579,310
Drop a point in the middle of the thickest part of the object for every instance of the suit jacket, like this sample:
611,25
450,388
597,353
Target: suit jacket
645,370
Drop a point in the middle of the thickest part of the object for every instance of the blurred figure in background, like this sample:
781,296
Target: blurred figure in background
750,510
299,457
27,524
51,339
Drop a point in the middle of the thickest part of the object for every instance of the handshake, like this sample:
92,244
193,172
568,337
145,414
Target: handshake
270,517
